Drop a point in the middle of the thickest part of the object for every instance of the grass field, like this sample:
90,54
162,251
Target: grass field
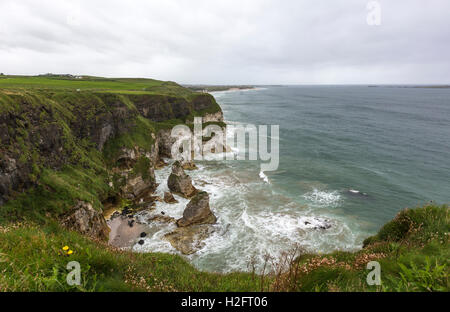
87,83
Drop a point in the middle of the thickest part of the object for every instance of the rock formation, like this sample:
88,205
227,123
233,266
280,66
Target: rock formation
168,198
189,239
189,165
137,176
194,227
197,211
86,220
179,182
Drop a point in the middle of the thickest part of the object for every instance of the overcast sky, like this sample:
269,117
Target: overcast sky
228,41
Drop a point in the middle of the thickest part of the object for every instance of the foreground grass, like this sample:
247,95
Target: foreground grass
413,252
32,259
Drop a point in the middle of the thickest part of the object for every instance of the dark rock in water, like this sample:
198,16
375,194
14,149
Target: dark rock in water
168,198
131,223
357,193
179,182
86,220
315,223
197,211
141,242
324,225
143,234
163,213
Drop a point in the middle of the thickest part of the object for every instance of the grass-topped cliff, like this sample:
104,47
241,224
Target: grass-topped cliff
65,139
59,136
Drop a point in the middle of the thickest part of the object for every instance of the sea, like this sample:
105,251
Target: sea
350,158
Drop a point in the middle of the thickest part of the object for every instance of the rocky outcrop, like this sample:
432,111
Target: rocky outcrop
189,239
137,176
161,218
197,211
194,227
188,165
213,117
13,175
165,142
86,220
179,182
137,187
168,198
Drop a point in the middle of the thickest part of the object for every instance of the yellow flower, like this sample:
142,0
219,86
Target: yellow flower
65,248
70,252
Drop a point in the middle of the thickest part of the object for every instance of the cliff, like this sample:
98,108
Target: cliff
59,145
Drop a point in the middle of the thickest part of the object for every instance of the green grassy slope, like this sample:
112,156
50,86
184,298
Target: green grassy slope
32,259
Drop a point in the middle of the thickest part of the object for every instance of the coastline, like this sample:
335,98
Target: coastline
62,206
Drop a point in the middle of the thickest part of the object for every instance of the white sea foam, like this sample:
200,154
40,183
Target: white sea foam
253,220
264,177
323,198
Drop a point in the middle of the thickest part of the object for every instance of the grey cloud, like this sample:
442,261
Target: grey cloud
249,42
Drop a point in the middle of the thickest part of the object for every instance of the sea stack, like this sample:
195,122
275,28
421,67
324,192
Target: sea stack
179,182
197,211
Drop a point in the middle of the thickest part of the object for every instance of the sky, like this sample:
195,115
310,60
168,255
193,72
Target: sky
231,42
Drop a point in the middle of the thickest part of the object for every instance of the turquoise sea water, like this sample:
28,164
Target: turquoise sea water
350,157
392,143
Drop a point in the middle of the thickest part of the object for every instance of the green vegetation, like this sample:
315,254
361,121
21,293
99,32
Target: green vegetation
87,83
31,259
56,192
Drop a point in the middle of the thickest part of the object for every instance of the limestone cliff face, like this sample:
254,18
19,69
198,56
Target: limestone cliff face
50,129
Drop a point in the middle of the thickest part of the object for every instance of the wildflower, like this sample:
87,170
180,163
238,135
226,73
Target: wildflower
65,248
70,252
